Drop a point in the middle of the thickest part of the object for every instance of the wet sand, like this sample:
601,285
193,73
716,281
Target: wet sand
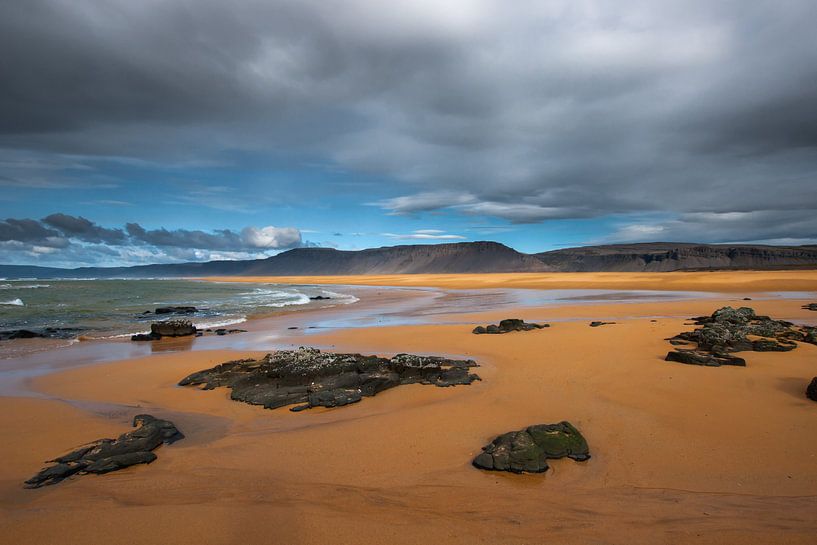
681,454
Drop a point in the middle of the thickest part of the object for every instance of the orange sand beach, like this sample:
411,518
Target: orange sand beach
680,453
716,281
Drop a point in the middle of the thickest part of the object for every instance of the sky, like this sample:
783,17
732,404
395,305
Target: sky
178,130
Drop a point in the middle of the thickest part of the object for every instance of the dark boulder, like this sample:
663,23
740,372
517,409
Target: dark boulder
597,324
313,378
320,298
529,449
810,306
176,310
506,326
811,390
173,328
106,455
168,328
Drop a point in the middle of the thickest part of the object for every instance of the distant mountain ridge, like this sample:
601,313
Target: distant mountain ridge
461,258
673,256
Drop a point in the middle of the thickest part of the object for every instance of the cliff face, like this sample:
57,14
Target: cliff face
661,257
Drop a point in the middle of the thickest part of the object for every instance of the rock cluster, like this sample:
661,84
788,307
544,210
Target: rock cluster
106,455
313,378
730,330
529,449
506,326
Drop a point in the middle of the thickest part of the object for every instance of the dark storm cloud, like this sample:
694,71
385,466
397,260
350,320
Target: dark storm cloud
83,229
30,232
220,240
529,112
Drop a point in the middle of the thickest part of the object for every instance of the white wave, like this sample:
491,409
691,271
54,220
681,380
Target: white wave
221,323
25,287
14,302
5,286
300,299
343,298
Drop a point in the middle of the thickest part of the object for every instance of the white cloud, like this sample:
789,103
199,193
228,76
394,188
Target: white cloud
425,234
271,237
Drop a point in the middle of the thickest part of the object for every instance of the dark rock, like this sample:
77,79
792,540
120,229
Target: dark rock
173,328
811,390
293,327
320,298
313,378
506,326
168,328
747,298
695,357
176,310
145,337
810,306
106,455
529,449
729,330
597,324
45,333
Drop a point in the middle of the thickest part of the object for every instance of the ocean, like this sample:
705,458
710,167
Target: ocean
110,308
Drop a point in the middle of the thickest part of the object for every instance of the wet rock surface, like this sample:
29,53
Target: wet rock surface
811,390
506,326
528,450
106,455
810,306
312,378
730,330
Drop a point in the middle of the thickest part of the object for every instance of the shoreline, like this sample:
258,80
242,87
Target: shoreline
675,448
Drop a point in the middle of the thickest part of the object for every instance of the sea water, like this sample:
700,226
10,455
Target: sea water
109,308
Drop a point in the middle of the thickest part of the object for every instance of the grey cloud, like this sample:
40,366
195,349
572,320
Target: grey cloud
548,110
83,229
61,238
785,227
224,239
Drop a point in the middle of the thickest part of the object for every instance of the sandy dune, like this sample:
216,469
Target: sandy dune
681,454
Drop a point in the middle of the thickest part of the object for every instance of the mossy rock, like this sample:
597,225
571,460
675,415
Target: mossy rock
527,450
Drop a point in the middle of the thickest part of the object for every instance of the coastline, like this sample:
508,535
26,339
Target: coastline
673,445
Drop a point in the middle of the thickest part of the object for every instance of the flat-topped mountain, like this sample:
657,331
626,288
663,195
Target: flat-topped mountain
674,256
461,258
